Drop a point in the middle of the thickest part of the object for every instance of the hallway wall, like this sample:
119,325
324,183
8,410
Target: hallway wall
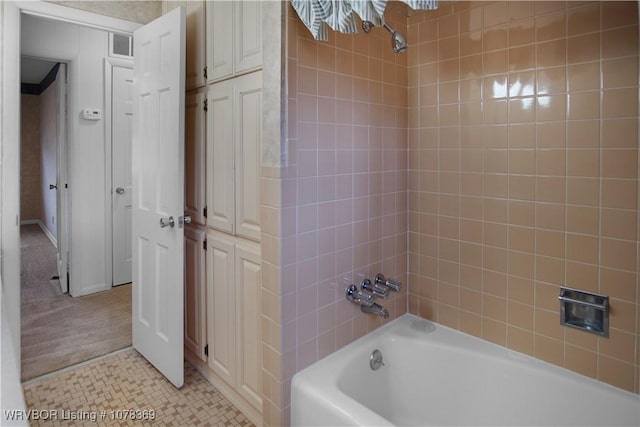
523,175
30,190
86,49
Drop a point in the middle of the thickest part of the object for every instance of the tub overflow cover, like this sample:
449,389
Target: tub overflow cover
375,360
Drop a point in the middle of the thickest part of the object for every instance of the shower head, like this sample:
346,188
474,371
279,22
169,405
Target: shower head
398,42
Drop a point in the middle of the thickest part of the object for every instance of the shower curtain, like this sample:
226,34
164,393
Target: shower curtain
340,15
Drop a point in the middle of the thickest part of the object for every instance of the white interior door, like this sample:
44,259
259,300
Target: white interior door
62,212
121,129
158,193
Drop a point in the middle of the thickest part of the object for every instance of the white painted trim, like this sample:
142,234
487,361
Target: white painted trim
44,229
48,233
92,289
10,390
10,176
109,63
77,16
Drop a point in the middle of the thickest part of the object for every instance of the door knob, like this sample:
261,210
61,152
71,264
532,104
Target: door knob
53,187
165,222
184,220
120,190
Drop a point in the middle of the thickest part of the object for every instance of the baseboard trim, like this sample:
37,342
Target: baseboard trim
92,289
44,229
48,234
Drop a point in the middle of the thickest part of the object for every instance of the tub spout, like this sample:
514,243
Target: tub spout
376,309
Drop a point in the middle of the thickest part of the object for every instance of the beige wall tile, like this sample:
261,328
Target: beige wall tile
548,349
616,372
584,19
580,361
522,172
520,340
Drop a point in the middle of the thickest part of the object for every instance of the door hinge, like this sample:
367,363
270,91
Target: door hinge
204,244
206,350
205,105
205,72
204,211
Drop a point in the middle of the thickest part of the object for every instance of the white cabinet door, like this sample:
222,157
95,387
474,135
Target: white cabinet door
220,35
195,315
221,307
220,157
194,156
234,38
158,194
248,36
248,324
248,140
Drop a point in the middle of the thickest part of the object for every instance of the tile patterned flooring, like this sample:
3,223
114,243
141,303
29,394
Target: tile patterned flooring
126,381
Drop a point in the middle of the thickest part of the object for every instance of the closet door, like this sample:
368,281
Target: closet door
220,39
248,36
221,321
220,157
195,316
248,142
194,156
248,323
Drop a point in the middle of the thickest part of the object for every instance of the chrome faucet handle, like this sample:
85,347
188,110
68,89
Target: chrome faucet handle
364,298
376,289
393,285
389,283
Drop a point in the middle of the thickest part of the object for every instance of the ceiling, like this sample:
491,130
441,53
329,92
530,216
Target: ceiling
34,70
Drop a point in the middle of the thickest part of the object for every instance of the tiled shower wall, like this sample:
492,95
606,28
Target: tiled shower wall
343,213
523,175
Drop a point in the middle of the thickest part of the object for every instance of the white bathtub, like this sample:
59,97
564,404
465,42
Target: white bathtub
437,376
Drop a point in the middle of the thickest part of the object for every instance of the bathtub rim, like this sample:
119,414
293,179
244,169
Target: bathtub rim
304,380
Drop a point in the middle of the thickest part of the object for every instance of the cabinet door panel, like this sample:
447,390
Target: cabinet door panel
221,307
248,36
195,44
248,139
194,156
220,155
194,292
248,324
220,35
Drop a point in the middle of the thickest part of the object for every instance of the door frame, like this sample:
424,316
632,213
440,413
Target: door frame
10,91
109,64
62,176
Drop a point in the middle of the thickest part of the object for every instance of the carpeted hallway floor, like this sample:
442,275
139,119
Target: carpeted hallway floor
60,331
